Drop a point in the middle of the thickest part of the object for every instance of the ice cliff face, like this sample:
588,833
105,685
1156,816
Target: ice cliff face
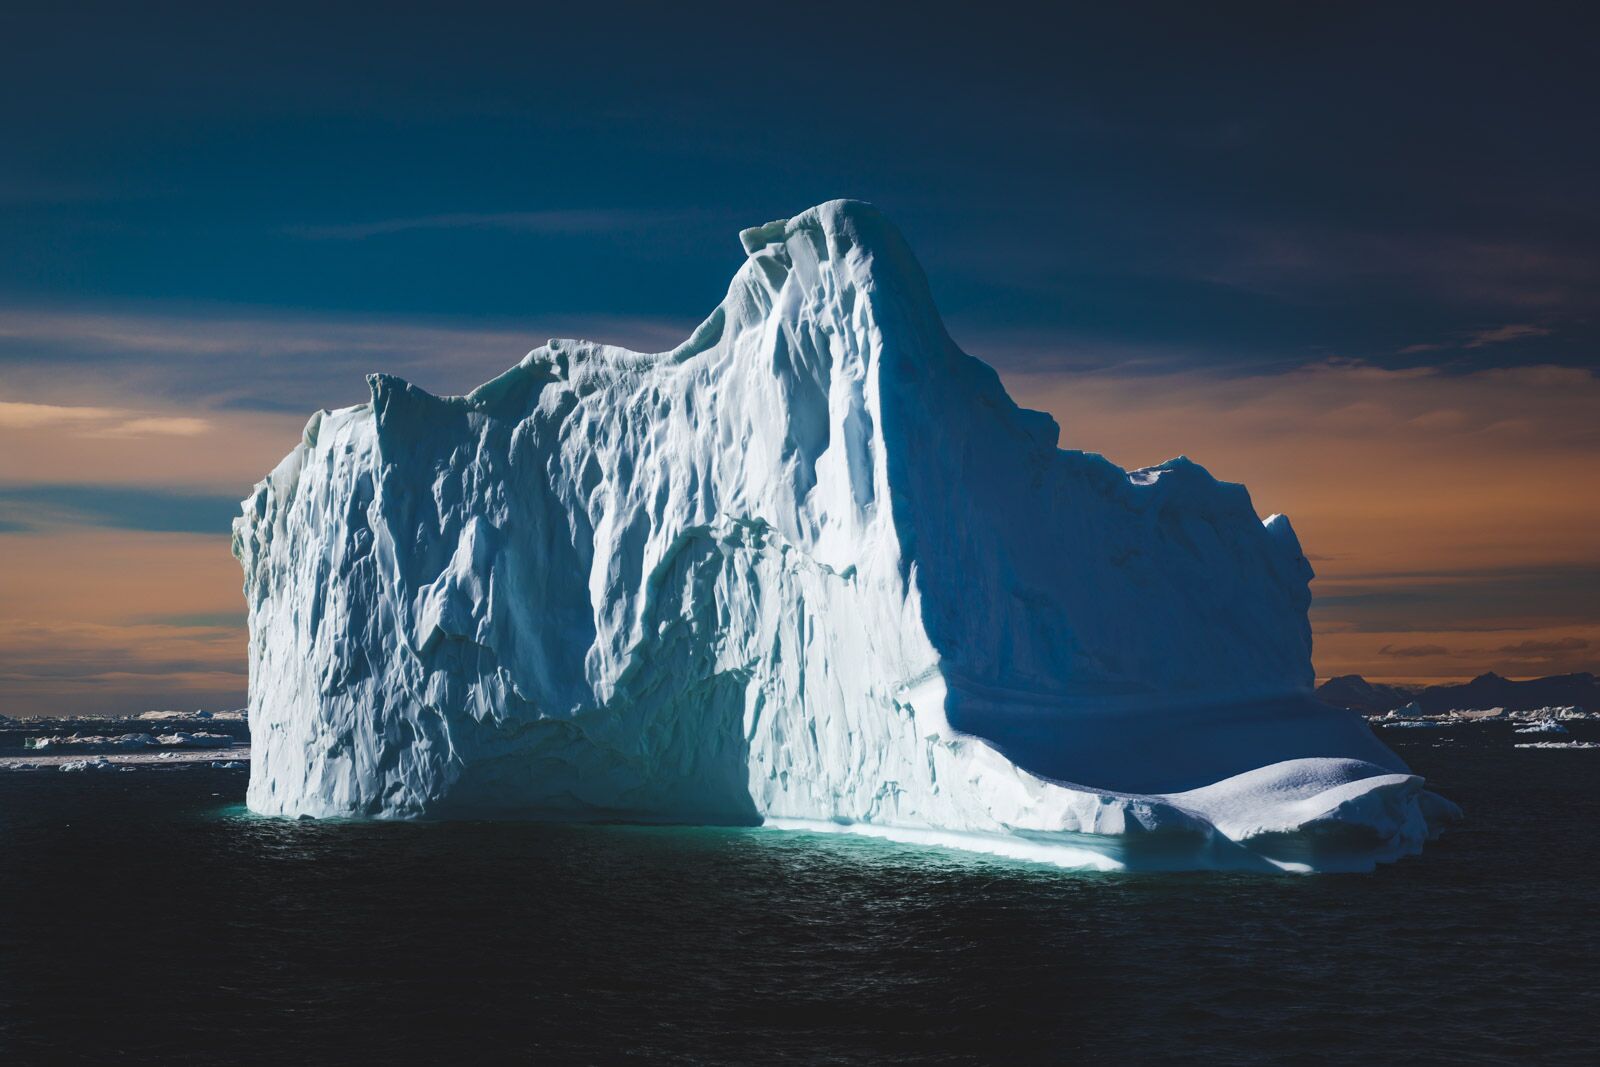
812,567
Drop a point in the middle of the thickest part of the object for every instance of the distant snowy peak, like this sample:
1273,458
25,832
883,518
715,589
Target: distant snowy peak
812,565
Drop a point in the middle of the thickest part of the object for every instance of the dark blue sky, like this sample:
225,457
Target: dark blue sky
1231,185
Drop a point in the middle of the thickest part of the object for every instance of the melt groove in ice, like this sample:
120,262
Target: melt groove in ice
812,567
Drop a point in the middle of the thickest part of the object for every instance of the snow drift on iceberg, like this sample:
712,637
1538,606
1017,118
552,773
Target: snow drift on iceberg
812,567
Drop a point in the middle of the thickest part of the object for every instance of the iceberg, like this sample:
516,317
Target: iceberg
812,568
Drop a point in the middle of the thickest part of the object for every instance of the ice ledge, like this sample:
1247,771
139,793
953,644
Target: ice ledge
1298,817
833,217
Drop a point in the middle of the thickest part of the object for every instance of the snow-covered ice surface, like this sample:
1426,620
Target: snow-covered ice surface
813,567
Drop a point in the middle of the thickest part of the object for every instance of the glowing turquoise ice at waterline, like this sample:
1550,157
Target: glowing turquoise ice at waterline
813,568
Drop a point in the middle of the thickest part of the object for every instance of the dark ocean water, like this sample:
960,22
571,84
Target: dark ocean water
147,919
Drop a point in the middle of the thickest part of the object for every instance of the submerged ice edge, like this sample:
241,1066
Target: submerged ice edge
742,580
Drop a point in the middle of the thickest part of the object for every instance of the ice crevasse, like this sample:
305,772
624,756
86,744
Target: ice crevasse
811,568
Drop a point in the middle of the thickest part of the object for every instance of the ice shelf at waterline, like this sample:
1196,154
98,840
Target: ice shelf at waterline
813,567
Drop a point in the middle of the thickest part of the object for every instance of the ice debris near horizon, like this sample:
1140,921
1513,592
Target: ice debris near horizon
200,714
129,742
74,766
1559,744
1413,713
812,567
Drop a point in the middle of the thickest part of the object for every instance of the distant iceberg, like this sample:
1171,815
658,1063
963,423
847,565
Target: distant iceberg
1559,744
88,765
128,742
814,568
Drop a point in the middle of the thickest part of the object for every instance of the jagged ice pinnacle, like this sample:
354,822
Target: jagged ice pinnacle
812,568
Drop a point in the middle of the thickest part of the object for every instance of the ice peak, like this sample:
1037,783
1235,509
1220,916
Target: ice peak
830,217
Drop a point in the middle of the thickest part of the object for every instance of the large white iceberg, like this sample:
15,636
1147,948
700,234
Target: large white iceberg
813,568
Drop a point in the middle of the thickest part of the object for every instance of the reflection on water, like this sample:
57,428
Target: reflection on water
151,917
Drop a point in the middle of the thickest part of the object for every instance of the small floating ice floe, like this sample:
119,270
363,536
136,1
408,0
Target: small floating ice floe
1559,744
88,765
1547,726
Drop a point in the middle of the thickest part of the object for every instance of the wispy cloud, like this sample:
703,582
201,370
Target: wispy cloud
21,416
1459,269
204,620
556,222
1544,648
160,426
97,421
33,507
262,361
1516,331
1482,338
1463,600
1413,651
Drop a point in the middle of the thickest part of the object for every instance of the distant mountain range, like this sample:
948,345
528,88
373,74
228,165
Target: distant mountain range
1485,691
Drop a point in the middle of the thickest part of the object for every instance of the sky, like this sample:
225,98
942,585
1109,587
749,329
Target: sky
1347,254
